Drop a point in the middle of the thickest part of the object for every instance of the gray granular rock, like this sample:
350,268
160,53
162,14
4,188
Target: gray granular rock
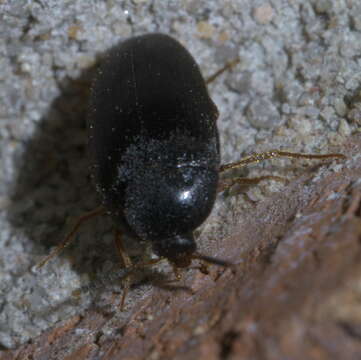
263,114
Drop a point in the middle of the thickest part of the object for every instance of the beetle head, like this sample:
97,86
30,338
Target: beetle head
177,249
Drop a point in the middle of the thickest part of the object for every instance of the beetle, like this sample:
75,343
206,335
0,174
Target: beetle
155,144
155,147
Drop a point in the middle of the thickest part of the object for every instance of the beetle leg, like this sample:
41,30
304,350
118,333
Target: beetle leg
228,183
127,264
256,158
121,251
70,237
226,67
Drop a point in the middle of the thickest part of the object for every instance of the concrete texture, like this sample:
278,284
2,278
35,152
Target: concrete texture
297,87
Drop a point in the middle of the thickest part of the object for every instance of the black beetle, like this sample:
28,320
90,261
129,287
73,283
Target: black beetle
154,143
155,147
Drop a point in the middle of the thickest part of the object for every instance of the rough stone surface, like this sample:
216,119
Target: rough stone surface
302,58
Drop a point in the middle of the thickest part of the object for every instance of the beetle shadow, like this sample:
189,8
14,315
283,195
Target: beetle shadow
53,183
53,179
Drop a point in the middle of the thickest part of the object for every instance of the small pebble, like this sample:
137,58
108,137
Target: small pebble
263,114
264,14
205,29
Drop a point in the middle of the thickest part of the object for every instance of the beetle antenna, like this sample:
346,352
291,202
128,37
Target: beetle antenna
212,260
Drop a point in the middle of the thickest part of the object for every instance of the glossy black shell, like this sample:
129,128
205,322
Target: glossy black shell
154,142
